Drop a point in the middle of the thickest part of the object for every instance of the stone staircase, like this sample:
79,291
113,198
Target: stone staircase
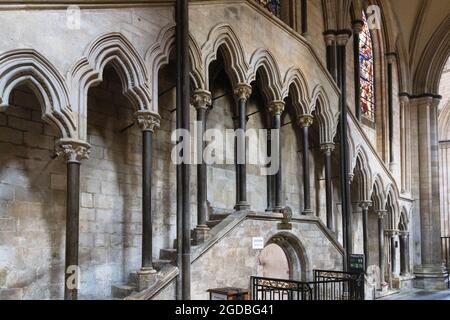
167,259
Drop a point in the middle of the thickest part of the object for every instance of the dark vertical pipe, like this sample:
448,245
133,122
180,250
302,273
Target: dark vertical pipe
183,103
345,183
328,186
357,68
72,230
147,226
306,169
391,113
304,11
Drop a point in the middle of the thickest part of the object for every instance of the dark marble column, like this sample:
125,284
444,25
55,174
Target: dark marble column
242,93
73,152
365,205
327,149
404,253
201,100
276,108
147,122
305,122
330,41
381,255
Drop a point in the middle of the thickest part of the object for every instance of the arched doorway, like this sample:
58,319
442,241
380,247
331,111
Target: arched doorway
274,262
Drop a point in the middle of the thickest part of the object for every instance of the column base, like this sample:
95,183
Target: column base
201,233
146,277
307,212
242,206
431,277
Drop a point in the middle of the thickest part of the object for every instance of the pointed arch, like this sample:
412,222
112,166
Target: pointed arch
110,49
403,224
361,164
27,66
263,60
158,55
296,84
378,194
223,36
392,194
328,122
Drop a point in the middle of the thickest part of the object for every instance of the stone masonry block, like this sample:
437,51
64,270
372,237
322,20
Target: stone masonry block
25,125
58,182
11,135
87,200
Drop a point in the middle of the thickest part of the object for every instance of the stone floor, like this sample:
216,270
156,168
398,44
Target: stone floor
420,295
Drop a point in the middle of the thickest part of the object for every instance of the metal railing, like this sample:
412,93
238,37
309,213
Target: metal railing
327,285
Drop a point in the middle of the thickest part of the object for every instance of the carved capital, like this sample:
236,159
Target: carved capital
392,232
342,39
357,26
330,39
73,150
243,91
404,235
147,120
382,214
365,205
276,107
306,120
327,148
201,99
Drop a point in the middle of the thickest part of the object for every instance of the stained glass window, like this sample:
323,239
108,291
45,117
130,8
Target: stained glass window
272,5
366,64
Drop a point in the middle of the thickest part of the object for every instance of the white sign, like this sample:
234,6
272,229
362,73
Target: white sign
258,243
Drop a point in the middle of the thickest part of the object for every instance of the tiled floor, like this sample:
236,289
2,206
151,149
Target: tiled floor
420,295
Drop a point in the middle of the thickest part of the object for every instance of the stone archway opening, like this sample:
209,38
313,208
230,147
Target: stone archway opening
274,262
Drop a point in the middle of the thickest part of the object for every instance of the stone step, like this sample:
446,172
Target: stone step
212,223
218,216
158,264
122,291
168,254
175,242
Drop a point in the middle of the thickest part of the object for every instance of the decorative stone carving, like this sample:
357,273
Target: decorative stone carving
201,99
329,39
306,120
243,91
365,205
327,148
342,39
382,214
72,150
147,120
276,107
287,218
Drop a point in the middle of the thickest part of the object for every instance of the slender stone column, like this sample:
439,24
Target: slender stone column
431,274
147,122
330,41
381,255
305,122
390,61
404,253
365,205
276,108
201,100
242,93
304,16
73,152
270,184
327,149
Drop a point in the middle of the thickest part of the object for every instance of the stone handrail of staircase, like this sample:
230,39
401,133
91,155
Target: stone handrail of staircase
168,273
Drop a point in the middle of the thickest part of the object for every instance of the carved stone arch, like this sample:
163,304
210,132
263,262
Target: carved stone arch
299,265
295,83
361,163
394,197
377,194
158,55
428,73
403,224
328,122
27,66
444,123
223,36
263,60
115,50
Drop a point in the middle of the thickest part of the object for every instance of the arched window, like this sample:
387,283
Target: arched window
366,64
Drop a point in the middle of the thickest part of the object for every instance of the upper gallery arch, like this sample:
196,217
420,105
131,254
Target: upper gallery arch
29,67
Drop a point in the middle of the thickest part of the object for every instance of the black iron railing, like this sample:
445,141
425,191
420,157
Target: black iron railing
273,6
327,285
